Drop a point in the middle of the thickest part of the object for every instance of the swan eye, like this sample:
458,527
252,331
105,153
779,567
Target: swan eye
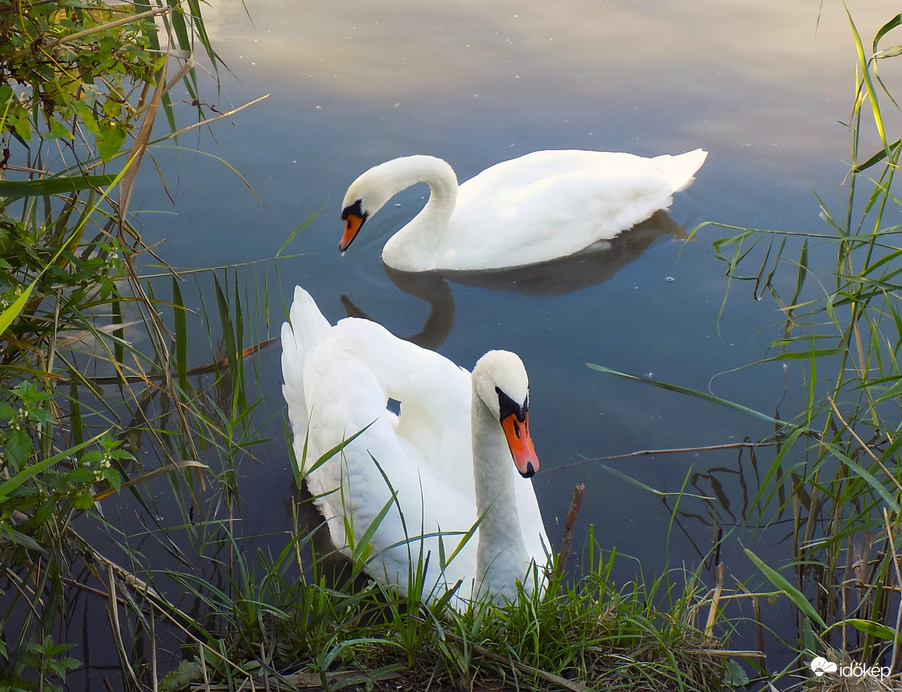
355,209
508,407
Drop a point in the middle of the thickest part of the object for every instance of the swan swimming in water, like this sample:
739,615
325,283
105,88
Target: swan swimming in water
535,208
458,456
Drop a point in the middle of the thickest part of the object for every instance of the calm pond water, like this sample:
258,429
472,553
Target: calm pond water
761,85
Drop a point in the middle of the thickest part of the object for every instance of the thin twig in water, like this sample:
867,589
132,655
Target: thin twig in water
206,369
675,450
715,600
166,609
113,613
569,524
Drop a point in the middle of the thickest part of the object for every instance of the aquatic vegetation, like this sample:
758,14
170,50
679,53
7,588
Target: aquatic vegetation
834,474
81,88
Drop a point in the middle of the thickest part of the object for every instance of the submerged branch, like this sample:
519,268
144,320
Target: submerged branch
569,525
674,450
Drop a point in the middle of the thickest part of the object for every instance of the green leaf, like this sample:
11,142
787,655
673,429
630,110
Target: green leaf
7,412
23,540
86,115
866,475
21,477
182,677
869,85
84,501
794,595
885,29
59,131
181,334
113,477
21,126
110,139
8,316
18,447
874,629
79,476
53,186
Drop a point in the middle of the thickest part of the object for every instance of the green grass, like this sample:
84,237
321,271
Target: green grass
586,635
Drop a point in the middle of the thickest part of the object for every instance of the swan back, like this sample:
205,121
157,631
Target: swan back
551,204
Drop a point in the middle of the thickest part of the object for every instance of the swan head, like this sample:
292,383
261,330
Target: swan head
372,189
367,195
500,380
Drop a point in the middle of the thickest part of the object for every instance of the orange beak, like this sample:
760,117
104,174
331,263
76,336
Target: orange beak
353,222
520,443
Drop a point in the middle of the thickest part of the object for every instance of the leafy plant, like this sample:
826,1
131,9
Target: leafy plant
80,86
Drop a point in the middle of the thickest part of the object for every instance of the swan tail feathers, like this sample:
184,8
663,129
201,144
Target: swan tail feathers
680,170
306,329
307,320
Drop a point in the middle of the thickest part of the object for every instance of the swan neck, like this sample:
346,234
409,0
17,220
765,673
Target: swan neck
502,558
414,246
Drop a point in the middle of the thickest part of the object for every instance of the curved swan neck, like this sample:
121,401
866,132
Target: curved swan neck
502,558
416,243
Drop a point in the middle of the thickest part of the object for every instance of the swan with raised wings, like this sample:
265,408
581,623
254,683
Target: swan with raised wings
458,456
535,208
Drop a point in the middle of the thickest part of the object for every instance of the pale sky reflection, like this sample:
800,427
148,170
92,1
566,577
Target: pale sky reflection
362,48
754,74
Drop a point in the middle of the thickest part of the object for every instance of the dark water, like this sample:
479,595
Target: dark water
760,85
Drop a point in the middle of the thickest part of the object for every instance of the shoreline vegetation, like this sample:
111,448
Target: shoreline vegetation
102,416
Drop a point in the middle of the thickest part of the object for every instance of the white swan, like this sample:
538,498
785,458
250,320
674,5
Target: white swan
451,457
539,207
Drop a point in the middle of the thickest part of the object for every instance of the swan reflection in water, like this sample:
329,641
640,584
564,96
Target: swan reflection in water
590,267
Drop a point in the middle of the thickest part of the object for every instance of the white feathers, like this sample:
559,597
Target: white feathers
539,207
337,382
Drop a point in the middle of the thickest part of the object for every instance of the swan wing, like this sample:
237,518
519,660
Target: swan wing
411,475
434,395
419,464
378,469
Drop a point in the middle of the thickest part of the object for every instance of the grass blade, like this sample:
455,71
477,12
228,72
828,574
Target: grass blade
794,595
692,392
181,334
